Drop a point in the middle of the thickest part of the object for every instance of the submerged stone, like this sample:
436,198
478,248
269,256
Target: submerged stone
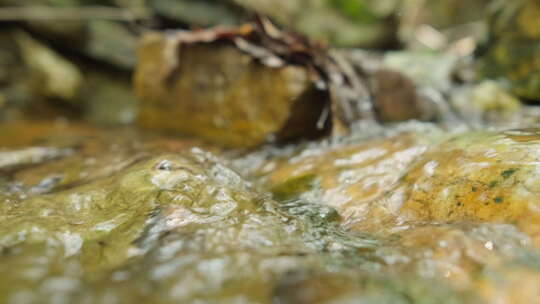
487,102
103,223
346,177
460,210
396,98
127,217
182,227
478,176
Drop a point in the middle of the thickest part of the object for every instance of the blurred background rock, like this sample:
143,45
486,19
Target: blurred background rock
75,58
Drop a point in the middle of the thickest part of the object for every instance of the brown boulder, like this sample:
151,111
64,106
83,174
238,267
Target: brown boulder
214,91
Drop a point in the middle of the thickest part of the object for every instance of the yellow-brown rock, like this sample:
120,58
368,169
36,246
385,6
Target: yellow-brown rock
135,217
478,177
463,210
348,178
384,184
217,93
134,222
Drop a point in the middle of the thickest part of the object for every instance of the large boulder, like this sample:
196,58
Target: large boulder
121,217
458,207
214,91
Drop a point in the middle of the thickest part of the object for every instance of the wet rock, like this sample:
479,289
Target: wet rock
511,53
97,227
458,252
396,98
91,217
111,42
56,77
407,85
92,155
488,177
92,39
101,40
129,216
486,102
14,87
41,82
215,92
460,210
108,98
425,69
411,84
511,285
10,159
348,178
474,177
95,29
312,288
96,220
485,258
129,231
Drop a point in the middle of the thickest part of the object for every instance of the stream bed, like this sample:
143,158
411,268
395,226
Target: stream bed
410,214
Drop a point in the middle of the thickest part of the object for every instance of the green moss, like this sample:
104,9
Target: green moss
507,173
357,11
512,53
293,187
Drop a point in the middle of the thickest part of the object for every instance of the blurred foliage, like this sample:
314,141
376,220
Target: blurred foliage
356,10
199,12
93,46
336,22
512,52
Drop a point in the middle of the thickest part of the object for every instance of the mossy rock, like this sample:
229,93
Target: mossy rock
511,54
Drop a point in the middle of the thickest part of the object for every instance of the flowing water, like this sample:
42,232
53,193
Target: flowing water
411,214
